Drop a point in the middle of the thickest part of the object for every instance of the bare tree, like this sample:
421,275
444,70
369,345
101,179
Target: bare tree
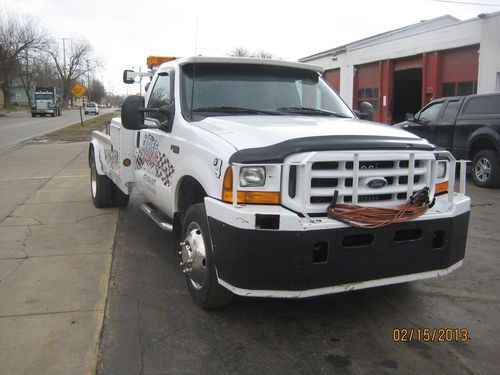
72,62
98,90
264,55
243,52
239,52
18,34
115,100
37,69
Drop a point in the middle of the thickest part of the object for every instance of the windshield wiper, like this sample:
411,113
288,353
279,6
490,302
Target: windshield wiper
242,110
310,111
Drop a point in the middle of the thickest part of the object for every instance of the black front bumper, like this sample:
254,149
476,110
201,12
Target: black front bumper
302,260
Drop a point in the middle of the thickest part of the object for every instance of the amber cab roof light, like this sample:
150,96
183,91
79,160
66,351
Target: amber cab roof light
153,61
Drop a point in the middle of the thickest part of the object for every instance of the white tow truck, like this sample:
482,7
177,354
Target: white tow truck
240,158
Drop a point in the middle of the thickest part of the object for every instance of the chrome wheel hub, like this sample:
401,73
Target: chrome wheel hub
193,254
482,169
93,180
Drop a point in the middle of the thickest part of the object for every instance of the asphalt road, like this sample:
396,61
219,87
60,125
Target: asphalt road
16,127
153,327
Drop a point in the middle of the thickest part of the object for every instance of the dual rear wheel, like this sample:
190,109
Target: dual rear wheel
104,192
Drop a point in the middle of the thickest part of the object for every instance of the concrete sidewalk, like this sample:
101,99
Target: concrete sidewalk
55,259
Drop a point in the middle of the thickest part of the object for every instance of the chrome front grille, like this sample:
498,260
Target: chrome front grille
362,177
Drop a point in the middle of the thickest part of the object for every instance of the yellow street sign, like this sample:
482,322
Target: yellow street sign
78,90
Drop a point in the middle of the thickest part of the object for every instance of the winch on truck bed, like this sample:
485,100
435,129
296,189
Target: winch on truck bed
273,187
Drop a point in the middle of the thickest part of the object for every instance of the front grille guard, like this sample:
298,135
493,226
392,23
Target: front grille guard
439,155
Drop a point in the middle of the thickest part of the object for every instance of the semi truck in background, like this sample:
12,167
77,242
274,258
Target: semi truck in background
47,102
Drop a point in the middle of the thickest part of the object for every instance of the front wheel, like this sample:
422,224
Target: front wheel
486,169
198,260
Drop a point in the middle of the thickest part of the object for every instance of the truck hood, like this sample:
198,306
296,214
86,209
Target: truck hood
259,131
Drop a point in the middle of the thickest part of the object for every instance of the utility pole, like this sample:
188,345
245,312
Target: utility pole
28,80
64,67
88,80
64,55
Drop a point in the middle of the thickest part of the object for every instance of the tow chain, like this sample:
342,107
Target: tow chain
377,217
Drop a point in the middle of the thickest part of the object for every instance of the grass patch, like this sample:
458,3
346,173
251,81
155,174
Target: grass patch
77,132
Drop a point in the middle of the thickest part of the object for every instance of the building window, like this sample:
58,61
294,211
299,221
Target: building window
459,88
369,95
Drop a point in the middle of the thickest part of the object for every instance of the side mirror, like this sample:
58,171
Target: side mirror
129,76
133,112
410,117
366,111
168,110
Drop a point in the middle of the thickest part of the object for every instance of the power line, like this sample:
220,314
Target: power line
467,3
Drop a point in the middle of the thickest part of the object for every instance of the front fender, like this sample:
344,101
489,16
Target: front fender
484,133
96,150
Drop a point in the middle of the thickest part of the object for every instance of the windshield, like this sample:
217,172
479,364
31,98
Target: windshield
43,96
240,89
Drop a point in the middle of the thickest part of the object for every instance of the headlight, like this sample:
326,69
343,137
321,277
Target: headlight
252,176
441,170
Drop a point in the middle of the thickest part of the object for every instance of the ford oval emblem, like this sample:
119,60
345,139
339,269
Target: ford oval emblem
376,182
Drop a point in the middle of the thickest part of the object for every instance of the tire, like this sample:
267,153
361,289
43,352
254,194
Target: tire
54,114
101,187
33,115
485,169
197,254
119,198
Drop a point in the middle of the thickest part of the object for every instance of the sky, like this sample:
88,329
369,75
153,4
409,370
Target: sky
123,33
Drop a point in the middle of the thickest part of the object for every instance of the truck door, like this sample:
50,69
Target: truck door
155,154
426,121
445,127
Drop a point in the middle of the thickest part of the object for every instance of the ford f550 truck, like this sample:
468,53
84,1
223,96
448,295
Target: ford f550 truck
273,187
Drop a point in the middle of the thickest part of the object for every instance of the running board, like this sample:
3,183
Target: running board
155,214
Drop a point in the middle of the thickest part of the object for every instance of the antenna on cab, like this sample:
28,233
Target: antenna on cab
194,68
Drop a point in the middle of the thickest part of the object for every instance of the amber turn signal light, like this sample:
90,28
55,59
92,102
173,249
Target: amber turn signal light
247,197
441,188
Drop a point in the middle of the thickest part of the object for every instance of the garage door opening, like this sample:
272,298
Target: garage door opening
407,93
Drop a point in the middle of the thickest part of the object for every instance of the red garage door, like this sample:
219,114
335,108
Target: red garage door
367,86
459,69
332,76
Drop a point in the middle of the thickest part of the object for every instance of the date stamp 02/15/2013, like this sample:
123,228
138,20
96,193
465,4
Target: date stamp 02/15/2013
431,334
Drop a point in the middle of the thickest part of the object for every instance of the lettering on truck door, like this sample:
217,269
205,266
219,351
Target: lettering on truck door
154,164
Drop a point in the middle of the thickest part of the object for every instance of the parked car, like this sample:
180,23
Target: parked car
468,127
91,108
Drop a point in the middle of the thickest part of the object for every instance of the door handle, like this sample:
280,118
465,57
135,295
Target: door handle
175,149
